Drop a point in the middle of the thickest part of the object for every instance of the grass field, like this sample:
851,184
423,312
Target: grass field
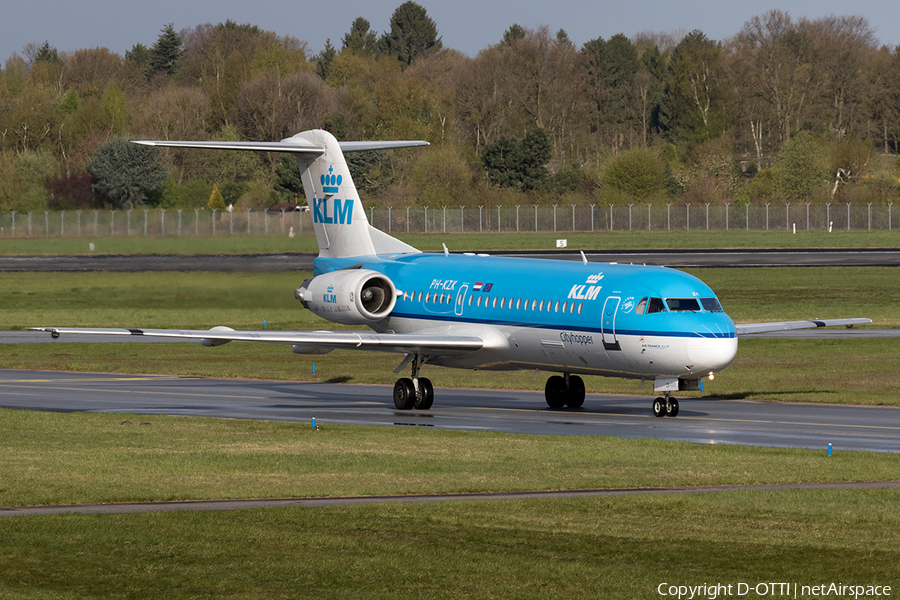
588,548
612,547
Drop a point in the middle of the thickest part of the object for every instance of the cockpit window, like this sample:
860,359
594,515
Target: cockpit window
641,307
683,304
655,305
711,304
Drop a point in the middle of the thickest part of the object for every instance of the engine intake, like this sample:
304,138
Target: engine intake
351,296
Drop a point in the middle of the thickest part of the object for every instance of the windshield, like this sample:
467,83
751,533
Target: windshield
711,304
683,304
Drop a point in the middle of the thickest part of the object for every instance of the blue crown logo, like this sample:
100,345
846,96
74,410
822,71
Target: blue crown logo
330,182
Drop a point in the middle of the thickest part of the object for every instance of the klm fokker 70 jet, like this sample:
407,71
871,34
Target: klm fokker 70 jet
483,312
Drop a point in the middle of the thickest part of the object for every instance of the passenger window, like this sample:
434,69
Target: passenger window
655,305
565,306
428,297
580,306
556,308
542,306
495,302
503,302
519,304
470,300
479,301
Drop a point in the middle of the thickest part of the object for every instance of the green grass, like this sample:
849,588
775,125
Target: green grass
612,547
459,242
586,548
90,458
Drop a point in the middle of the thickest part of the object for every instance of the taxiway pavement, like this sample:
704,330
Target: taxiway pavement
704,421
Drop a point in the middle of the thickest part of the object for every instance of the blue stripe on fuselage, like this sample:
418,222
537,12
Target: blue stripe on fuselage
586,285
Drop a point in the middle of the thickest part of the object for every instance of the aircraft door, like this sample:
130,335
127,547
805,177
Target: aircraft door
608,323
460,299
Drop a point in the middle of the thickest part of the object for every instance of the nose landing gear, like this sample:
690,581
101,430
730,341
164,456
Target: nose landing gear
665,407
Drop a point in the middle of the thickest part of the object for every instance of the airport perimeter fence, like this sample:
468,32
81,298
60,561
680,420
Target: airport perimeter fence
446,219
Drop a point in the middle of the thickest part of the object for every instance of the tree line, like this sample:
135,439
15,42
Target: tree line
785,109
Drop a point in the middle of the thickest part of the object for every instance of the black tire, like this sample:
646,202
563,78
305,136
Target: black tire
575,395
671,407
555,392
425,396
659,407
404,394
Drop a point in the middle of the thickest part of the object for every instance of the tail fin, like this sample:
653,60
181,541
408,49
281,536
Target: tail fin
339,220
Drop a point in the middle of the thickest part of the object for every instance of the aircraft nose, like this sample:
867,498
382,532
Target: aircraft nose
715,347
711,354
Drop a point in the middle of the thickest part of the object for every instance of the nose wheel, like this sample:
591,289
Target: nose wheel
665,407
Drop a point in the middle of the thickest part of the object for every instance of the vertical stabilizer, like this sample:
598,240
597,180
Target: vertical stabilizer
339,219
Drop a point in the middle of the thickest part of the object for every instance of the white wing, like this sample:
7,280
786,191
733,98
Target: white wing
307,341
748,328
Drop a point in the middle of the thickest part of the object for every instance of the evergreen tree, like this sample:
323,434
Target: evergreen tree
47,53
513,34
140,55
126,173
324,60
360,40
413,34
518,163
166,51
216,201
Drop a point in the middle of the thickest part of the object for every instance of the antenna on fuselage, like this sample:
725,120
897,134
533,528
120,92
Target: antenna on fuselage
583,257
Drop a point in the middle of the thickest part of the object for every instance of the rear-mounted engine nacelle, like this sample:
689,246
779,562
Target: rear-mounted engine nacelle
352,297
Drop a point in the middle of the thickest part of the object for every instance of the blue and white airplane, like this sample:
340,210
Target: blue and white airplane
471,311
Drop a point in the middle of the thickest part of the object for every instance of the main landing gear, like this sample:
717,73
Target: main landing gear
416,392
567,390
665,407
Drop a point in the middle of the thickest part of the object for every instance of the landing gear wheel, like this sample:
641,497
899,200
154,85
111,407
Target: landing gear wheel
404,394
659,407
671,407
425,396
575,393
555,392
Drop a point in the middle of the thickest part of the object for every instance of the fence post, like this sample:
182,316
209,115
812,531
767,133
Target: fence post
112,222
648,215
747,215
146,217
128,223
407,219
610,217
498,218
592,218
629,216
848,215
787,216
707,216
870,216
78,218
196,221
462,219
96,218
231,220
828,216
890,204
178,229
767,216
807,215
669,216
426,219
13,213
573,217
248,221
390,208
444,218
554,217
688,215
62,223
162,221
727,204
480,218
47,222
517,218
214,220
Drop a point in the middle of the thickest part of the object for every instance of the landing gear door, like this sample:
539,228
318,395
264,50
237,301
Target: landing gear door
460,300
608,323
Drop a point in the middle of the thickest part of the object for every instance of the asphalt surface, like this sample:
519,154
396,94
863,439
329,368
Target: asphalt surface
704,421
296,261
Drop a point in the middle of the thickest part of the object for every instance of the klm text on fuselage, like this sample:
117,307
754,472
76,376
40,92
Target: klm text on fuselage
341,211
